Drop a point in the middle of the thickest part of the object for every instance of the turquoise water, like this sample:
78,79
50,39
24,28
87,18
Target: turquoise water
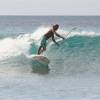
74,65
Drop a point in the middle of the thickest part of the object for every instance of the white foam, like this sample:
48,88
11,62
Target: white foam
12,47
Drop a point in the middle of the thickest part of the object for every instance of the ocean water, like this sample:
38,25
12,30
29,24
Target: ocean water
74,66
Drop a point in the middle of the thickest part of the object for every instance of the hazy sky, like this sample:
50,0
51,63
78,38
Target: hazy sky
49,7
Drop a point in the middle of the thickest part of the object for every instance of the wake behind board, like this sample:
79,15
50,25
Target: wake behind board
40,63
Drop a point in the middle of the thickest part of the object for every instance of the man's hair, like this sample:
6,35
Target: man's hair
55,27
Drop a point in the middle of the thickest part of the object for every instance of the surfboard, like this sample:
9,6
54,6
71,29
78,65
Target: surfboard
41,58
40,64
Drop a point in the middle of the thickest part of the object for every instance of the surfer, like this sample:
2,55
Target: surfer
49,34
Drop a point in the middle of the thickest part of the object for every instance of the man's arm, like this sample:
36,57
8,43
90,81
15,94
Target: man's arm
54,41
59,35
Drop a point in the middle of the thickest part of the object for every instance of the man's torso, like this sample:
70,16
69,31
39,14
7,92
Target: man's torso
49,34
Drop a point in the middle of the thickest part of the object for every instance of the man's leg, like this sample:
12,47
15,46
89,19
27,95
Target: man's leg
43,46
39,49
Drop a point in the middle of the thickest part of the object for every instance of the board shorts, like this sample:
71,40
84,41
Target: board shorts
43,42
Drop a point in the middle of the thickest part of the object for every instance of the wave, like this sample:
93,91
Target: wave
22,43
78,53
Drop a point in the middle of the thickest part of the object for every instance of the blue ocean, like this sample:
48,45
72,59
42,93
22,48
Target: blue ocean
74,68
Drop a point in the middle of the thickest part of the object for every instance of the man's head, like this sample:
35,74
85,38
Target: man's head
55,27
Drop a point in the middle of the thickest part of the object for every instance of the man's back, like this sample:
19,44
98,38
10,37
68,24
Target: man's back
49,34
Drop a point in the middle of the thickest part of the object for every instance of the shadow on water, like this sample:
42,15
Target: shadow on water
39,67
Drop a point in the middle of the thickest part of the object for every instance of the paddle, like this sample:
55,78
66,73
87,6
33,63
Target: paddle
71,31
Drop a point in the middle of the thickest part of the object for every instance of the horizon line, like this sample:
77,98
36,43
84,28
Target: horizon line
48,15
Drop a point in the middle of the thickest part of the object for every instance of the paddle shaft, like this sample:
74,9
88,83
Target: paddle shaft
70,31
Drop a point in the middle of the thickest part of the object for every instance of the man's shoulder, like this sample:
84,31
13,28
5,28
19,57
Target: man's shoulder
50,31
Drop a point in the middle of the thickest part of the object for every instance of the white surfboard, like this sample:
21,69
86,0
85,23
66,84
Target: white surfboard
41,59
40,64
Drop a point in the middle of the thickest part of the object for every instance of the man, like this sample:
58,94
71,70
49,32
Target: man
49,34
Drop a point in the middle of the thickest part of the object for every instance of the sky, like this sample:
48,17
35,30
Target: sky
49,7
